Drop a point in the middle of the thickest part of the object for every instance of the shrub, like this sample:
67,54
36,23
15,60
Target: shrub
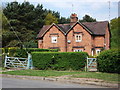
108,61
41,50
59,60
22,52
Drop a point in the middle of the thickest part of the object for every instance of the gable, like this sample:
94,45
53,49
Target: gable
46,28
78,23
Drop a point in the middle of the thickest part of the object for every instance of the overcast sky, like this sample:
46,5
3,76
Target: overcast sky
98,9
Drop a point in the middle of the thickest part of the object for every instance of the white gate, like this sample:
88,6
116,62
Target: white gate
91,64
16,62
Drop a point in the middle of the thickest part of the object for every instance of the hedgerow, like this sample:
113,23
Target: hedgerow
109,61
22,52
59,60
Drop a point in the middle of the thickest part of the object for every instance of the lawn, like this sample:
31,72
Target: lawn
110,77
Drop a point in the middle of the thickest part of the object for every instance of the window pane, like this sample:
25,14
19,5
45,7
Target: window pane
54,39
78,38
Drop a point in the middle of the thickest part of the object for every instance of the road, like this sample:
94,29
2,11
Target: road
25,83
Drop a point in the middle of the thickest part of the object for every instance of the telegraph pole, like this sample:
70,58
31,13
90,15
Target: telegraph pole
109,11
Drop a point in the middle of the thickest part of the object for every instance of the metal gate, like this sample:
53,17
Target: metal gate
16,62
91,64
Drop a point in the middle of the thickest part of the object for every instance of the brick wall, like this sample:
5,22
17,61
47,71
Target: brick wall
60,39
98,41
107,39
85,44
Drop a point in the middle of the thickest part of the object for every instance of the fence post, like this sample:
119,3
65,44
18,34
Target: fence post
5,65
87,65
29,63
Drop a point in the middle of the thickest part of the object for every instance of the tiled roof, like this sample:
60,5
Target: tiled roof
97,28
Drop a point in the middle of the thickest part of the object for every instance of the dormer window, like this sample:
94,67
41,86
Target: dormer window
54,39
78,38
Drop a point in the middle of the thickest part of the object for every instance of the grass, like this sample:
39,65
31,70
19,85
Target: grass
44,73
109,77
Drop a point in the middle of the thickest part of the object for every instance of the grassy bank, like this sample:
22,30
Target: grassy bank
73,74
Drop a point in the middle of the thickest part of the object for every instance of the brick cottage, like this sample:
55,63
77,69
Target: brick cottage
90,37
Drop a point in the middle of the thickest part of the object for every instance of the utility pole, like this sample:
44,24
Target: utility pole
72,8
109,11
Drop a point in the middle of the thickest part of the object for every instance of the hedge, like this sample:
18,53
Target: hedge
109,61
18,52
59,60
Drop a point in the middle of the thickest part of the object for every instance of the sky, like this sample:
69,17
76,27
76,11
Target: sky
98,9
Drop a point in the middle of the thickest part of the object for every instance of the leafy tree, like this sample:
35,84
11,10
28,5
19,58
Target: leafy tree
64,20
114,25
50,19
26,20
87,18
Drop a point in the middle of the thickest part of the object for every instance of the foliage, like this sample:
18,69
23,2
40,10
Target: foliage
59,60
87,18
49,19
41,50
114,25
22,52
26,20
108,61
63,20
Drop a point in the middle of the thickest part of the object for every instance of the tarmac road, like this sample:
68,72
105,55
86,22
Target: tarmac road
25,83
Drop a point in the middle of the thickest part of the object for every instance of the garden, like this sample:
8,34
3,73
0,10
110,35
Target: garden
51,63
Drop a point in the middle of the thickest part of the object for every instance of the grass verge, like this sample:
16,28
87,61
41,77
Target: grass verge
109,77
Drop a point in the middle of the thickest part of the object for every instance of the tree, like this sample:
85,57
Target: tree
50,19
115,32
26,20
64,20
87,18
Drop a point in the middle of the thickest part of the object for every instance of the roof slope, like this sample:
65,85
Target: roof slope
97,28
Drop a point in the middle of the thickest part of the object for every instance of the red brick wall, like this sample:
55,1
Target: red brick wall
40,43
107,39
98,41
86,40
60,39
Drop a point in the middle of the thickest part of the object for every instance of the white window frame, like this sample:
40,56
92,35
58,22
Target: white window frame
92,52
78,38
53,39
78,50
98,50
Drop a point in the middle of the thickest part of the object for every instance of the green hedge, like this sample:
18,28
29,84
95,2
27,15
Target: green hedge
59,60
18,52
41,50
109,61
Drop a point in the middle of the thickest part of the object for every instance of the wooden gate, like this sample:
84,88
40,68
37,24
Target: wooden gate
91,64
16,62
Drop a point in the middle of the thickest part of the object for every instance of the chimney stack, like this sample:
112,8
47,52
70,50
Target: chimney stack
73,18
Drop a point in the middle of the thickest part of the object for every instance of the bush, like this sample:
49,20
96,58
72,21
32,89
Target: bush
22,52
41,50
59,60
109,61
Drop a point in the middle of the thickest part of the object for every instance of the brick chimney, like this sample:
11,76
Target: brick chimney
73,18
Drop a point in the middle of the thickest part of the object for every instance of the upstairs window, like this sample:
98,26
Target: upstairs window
54,39
78,38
